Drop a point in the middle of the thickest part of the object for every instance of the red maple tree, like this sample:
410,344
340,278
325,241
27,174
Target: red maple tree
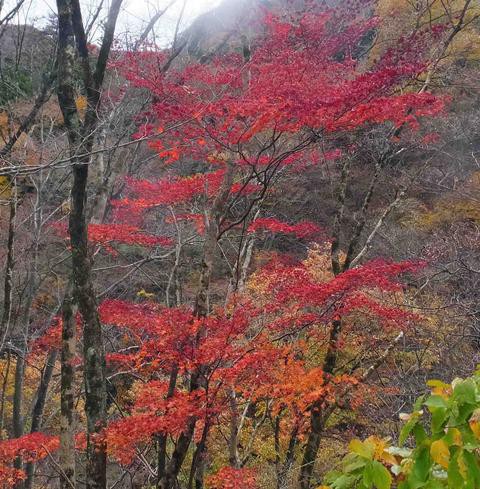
248,120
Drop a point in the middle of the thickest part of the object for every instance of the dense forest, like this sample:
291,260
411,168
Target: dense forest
240,249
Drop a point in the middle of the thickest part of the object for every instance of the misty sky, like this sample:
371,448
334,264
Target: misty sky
134,15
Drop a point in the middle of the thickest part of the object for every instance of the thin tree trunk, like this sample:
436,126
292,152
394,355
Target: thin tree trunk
18,396
212,233
317,425
67,410
197,469
17,418
33,283
21,351
93,347
169,479
81,137
4,388
9,266
32,286
38,408
200,310
162,439
234,457
318,417
282,477
67,441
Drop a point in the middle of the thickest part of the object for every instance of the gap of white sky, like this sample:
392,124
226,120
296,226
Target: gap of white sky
134,16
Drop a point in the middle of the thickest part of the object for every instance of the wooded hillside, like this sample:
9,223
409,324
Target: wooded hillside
248,259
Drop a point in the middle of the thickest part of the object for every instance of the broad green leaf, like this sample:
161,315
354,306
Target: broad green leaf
455,479
344,482
465,392
381,476
419,433
473,468
434,484
436,402
417,406
354,464
439,418
421,466
446,451
368,475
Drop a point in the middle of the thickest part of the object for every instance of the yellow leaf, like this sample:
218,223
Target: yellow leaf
440,453
365,449
81,103
475,427
439,388
462,467
456,436
144,293
388,458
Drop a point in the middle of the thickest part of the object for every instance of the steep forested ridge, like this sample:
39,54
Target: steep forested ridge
248,259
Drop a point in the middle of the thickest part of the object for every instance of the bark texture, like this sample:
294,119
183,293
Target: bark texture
72,46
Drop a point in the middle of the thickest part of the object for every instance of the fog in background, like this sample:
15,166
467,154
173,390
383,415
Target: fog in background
134,16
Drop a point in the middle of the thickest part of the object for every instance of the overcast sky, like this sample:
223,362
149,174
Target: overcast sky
134,15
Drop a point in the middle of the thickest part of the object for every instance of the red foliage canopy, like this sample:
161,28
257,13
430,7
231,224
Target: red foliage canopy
303,82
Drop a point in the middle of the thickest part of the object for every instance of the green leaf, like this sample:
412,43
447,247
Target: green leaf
455,479
473,468
381,476
418,403
368,475
353,462
344,482
465,392
436,402
407,428
434,484
439,417
421,468
419,434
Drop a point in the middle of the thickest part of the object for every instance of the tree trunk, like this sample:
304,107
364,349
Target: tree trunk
6,374
169,479
283,473
317,425
162,438
317,416
234,456
81,137
200,310
39,406
212,233
197,469
18,395
17,406
8,283
93,347
67,395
